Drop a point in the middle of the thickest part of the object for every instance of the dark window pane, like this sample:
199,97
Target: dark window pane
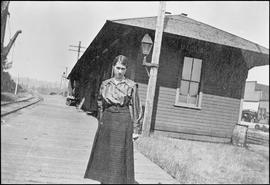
186,74
196,71
194,87
184,87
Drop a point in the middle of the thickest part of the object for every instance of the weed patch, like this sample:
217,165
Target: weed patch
201,162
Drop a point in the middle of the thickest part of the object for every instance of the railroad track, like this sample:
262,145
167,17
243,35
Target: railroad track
11,107
22,100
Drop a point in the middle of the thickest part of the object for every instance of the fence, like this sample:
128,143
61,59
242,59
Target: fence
257,137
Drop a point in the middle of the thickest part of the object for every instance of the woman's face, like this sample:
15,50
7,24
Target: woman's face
119,70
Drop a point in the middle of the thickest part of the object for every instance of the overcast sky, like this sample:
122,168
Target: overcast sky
48,28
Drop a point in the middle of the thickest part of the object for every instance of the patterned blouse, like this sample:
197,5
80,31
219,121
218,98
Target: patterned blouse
125,93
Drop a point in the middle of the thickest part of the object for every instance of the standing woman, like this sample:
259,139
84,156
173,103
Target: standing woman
112,158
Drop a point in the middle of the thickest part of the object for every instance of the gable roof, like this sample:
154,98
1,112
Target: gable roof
185,26
253,54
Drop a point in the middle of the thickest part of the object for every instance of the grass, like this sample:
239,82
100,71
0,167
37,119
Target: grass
200,162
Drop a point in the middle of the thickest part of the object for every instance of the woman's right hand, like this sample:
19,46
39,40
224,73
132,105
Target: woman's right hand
99,117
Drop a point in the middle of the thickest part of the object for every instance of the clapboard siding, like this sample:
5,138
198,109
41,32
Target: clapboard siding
222,77
201,131
142,92
210,103
185,112
213,104
219,121
190,124
170,94
217,115
168,97
197,130
195,137
185,121
200,114
212,107
221,99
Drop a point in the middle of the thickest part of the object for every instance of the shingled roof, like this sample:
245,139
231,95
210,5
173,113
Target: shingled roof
185,26
254,54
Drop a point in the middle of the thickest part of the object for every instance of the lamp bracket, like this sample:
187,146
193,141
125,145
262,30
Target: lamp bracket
148,73
146,64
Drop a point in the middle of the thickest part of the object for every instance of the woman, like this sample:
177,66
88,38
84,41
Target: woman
111,160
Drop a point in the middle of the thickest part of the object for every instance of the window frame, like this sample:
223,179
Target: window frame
180,78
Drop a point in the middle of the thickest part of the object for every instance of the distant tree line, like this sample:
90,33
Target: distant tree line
7,84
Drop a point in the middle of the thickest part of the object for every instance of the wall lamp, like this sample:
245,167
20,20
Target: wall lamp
147,44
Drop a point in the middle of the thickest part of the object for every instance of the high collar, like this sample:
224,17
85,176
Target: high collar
113,80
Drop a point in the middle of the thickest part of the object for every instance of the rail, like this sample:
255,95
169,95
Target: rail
12,102
11,107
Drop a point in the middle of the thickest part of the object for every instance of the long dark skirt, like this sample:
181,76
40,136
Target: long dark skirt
111,160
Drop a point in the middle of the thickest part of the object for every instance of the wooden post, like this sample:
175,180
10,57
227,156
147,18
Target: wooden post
241,103
61,83
79,50
153,72
65,83
16,87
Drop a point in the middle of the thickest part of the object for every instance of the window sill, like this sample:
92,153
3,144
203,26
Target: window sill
187,106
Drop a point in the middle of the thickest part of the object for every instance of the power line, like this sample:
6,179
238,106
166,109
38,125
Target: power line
78,50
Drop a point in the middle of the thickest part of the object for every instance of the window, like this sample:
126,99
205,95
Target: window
188,91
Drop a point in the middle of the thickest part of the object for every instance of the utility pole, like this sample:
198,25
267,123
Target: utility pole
153,71
66,72
63,77
61,83
16,88
65,81
78,50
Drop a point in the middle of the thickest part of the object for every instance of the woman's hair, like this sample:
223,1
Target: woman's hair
122,59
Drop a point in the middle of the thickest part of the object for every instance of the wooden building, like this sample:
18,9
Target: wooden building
201,76
256,98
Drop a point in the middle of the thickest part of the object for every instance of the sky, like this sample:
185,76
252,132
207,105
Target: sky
41,51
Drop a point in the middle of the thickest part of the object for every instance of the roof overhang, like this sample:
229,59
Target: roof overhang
253,53
107,38
254,59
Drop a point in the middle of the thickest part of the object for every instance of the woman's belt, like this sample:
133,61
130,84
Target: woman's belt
117,108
